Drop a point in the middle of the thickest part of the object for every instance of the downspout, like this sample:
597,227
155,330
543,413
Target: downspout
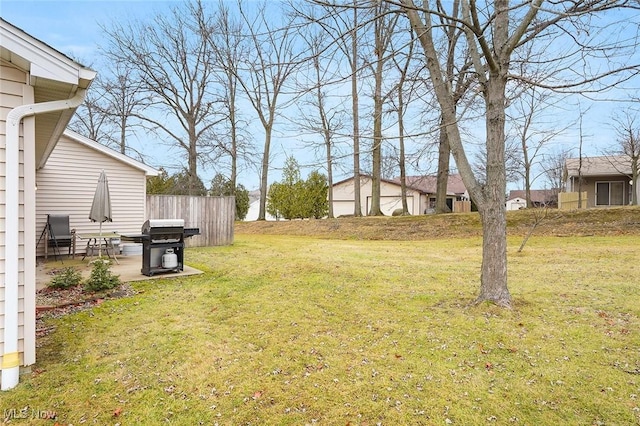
11,356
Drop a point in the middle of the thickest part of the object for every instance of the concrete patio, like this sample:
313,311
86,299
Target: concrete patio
128,269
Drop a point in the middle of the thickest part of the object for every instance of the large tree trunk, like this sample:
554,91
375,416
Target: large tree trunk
123,135
193,163
264,176
330,178
234,131
403,168
376,151
490,197
442,179
493,282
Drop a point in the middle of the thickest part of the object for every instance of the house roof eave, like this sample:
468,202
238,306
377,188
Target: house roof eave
597,166
391,182
53,76
148,170
42,61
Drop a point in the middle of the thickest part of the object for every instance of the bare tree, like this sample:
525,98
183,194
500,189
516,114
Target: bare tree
229,136
580,146
403,97
352,55
327,119
126,98
493,32
263,74
172,59
457,72
342,25
525,122
628,139
107,115
384,26
554,165
91,120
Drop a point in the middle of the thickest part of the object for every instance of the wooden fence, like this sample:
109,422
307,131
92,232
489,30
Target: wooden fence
214,216
569,200
461,206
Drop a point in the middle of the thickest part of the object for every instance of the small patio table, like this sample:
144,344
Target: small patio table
94,241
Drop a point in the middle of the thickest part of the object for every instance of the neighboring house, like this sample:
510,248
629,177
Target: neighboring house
606,179
254,207
67,182
421,192
456,191
539,197
40,89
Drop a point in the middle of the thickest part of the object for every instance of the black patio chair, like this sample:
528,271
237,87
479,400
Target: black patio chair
58,233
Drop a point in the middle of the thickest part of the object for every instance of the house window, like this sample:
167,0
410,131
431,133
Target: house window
609,193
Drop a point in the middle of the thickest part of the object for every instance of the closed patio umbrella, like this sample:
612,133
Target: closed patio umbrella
101,206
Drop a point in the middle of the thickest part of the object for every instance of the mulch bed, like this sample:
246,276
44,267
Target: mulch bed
54,303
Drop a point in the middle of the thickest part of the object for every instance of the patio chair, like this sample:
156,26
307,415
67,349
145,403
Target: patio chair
58,233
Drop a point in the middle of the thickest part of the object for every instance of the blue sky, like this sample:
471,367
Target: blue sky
72,27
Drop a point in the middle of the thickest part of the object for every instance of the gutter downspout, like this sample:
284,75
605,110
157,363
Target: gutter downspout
11,356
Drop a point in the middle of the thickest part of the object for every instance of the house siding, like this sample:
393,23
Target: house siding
15,92
516,204
344,198
584,174
67,183
589,186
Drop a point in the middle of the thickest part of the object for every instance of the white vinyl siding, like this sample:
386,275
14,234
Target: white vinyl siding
30,72
388,204
68,181
14,92
343,207
390,197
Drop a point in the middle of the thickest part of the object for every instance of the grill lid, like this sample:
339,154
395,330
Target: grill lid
156,223
162,223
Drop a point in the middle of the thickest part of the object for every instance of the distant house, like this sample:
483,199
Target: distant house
456,191
539,198
254,207
63,187
421,192
607,180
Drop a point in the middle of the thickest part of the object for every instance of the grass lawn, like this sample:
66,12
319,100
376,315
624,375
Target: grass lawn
298,330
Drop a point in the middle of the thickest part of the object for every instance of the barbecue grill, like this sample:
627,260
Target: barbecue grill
163,239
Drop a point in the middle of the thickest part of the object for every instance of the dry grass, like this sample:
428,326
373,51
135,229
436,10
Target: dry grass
614,221
299,330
